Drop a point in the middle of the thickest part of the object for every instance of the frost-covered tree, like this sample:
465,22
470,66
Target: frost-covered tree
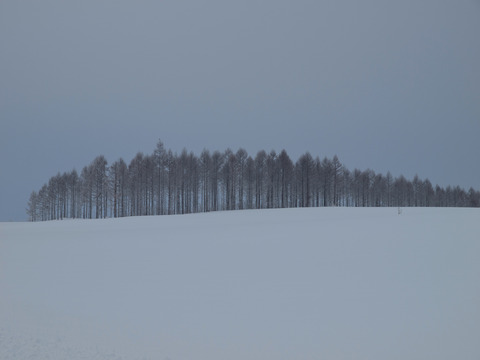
285,169
241,159
305,166
260,160
32,206
205,164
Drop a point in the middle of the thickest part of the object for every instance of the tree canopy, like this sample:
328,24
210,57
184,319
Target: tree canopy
169,183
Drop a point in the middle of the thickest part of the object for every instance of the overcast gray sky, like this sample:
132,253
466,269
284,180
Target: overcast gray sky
386,85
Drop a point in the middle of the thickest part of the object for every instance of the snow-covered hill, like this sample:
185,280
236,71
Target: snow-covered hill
328,283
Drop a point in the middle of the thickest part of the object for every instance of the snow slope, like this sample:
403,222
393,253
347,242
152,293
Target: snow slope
323,283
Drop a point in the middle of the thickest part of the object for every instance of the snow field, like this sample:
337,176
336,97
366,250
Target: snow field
333,283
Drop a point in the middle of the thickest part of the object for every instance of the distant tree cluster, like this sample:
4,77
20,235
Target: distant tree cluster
167,183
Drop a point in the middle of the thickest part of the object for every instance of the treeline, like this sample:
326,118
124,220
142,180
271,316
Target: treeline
167,183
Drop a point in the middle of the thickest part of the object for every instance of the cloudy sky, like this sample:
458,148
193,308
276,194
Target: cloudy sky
384,85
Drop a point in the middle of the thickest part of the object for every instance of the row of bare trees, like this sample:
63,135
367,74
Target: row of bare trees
169,183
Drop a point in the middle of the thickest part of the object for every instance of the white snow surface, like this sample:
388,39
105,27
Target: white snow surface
318,283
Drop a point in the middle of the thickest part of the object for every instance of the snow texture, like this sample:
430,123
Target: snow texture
323,283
